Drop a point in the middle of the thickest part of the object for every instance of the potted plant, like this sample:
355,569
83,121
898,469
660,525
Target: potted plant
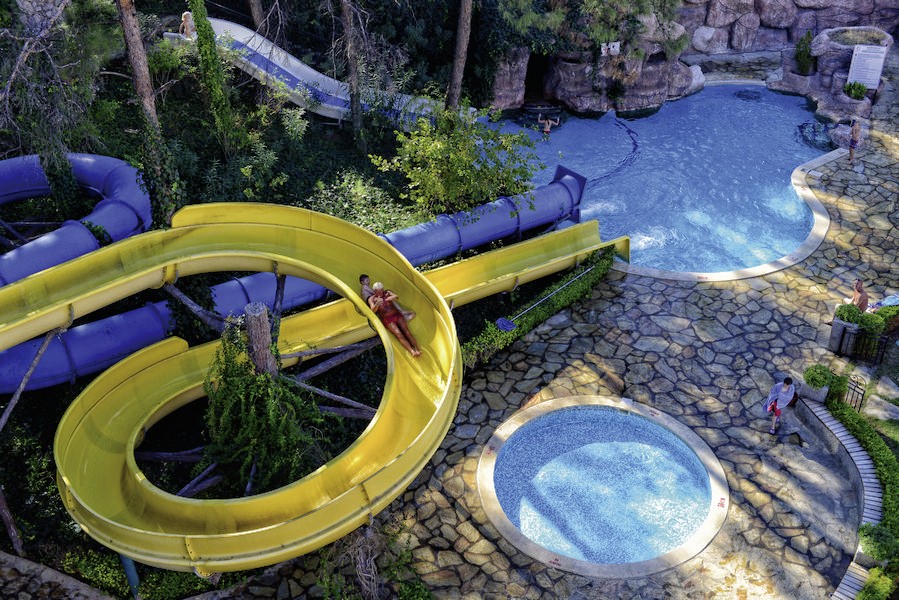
817,382
844,329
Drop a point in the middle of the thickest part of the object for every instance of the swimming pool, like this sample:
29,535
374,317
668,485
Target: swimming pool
602,487
703,185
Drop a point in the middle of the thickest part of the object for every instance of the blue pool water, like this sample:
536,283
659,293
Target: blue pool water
702,185
600,485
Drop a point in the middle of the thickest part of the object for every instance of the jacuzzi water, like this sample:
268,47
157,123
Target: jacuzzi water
703,185
597,484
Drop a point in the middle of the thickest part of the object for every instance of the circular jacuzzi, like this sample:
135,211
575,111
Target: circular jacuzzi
602,487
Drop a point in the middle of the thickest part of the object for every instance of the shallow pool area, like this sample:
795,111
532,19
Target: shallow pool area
602,487
703,185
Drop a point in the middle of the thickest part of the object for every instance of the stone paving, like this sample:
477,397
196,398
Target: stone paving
704,353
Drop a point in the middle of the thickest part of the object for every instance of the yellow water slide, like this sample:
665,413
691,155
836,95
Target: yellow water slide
100,483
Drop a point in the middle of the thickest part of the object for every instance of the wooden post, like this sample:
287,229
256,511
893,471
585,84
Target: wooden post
259,336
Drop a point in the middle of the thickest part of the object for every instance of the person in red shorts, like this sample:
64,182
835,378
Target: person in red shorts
383,303
779,398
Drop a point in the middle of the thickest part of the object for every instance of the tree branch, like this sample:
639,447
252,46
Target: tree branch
212,320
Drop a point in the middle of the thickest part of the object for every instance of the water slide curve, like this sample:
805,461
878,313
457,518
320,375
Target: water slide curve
91,347
98,478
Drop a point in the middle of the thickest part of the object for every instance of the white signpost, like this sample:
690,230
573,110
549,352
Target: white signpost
867,65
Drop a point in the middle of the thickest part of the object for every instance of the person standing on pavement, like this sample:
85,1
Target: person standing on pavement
780,396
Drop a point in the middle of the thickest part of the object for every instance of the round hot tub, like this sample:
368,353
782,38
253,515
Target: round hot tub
602,487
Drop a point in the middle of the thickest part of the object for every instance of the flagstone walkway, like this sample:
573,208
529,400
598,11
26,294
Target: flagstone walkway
703,352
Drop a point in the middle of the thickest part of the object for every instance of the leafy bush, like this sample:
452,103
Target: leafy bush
263,431
855,90
878,586
582,280
848,313
817,376
890,316
878,542
101,570
804,57
839,385
454,162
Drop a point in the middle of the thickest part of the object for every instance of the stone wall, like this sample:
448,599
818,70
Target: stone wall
729,39
736,26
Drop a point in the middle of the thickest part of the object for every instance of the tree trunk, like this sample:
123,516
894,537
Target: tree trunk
258,14
463,32
259,335
347,13
137,56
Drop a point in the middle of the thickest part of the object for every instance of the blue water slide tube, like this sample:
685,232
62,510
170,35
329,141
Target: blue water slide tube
123,210
94,346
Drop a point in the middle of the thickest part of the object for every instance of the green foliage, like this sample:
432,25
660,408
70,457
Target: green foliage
855,90
878,586
878,542
454,162
263,182
357,198
872,323
817,376
885,462
212,79
160,176
890,316
160,584
848,313
839,384
577,285
804,53
257,424
99,232
398,564
101,570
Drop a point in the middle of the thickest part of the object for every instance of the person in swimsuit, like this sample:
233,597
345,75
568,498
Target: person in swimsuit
547,123
187,27
366,291
383,303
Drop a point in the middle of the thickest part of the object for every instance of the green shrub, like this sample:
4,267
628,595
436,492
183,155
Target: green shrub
103,571
804,58
848,313
855,90
890,316
878,586
878,542
885,462
839,385
578,284
817,376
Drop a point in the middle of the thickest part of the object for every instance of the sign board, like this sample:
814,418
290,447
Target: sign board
867,65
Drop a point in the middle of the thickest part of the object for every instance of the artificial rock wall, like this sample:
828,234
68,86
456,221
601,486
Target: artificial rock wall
743,38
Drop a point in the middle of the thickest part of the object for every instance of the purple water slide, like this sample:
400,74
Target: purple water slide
123,210
91,347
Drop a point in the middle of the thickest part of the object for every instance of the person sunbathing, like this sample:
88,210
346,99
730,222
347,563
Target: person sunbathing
383,303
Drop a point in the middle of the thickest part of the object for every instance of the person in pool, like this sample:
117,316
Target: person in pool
383,303
547,123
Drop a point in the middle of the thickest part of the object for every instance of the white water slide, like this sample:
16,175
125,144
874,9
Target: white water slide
307,87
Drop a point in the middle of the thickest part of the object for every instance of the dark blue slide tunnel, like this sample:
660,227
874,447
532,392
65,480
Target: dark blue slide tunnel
92,347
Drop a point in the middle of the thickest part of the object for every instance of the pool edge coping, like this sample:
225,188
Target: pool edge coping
694,545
